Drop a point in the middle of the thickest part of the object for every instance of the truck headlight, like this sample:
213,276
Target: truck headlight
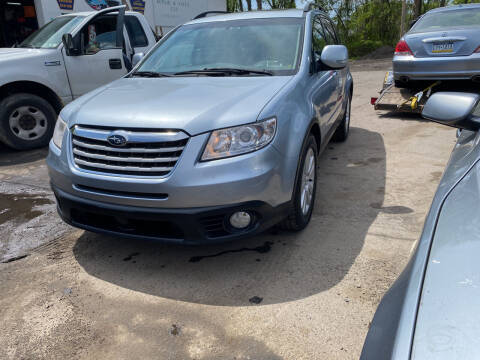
240,139
60,128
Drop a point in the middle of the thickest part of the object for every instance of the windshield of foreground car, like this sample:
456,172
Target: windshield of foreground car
443,20
266,45
50,35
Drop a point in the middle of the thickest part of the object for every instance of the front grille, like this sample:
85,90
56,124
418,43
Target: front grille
144,154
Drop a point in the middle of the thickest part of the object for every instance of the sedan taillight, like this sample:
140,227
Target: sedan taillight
402,48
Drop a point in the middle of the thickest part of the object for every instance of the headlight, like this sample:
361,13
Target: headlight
240,139
60,128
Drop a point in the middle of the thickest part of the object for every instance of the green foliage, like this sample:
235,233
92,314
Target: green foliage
363,25
362,47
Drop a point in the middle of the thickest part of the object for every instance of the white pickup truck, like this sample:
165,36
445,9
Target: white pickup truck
68,57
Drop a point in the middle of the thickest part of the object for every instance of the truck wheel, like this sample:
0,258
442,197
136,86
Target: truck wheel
341,134
26,121
305,189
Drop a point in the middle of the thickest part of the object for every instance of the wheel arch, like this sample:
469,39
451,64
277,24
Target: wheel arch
35,88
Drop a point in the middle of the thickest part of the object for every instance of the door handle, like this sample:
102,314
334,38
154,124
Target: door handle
115,63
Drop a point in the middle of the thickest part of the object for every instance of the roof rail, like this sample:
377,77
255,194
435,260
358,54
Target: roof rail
204,14
311,5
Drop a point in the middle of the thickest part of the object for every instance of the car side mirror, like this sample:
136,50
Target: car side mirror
137,58
69,45
456,109
335,56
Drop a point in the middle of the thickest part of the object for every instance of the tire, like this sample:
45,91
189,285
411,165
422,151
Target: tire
27,121
400,84
300,215
342,131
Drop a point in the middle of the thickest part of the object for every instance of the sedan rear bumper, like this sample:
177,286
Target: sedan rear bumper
436,68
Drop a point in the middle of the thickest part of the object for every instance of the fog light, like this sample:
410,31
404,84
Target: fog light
240,220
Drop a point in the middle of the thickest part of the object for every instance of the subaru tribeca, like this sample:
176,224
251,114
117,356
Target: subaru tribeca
213,136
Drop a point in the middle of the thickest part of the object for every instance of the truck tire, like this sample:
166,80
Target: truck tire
27,121
305,189
341,134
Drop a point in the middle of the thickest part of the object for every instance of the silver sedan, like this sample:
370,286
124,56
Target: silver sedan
444,44
431,312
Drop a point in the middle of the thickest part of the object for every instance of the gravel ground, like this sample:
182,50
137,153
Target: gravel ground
310,295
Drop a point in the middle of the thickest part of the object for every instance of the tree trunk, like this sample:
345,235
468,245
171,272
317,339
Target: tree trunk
402,21
442,3
259,4
418,8
249,5
240,4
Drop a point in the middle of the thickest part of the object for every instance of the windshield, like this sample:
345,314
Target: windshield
272,45
438,21
50,35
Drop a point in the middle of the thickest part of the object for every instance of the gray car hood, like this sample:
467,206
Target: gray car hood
192,104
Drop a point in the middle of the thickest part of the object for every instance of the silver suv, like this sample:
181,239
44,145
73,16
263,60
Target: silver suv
213,136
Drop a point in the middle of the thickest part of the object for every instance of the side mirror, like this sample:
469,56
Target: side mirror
136,58
335,56
456,109
67,40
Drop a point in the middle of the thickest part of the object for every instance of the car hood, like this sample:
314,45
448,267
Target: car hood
15,54
192,104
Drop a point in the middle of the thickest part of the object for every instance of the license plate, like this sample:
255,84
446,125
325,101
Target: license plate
442,48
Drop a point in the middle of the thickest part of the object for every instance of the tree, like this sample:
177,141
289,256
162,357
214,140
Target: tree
281,4
259,4
249,5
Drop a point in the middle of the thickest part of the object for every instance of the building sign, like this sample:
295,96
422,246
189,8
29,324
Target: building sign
65,4
97,4
138,5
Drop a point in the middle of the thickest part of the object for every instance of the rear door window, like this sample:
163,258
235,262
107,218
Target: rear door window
137,36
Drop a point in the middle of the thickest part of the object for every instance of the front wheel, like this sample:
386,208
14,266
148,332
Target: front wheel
305,189
26,121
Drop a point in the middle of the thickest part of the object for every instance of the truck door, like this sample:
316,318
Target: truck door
100,58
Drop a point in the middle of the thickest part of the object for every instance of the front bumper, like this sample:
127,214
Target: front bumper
436,68
192,226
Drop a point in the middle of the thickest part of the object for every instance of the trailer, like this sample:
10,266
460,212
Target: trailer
412,100
392,98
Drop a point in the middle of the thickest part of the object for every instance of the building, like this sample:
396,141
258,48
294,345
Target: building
19,18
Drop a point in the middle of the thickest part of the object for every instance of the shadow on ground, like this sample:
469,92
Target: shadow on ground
10,157
402,116
268,269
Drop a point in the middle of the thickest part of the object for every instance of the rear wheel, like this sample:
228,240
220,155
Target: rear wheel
305,189
341,134
26,121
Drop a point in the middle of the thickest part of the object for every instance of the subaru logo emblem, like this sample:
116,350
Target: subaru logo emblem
117,140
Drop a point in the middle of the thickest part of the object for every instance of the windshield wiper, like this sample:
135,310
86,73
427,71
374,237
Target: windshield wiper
224,71
151,74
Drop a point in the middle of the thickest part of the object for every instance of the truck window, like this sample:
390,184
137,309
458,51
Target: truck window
135,32
100,34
